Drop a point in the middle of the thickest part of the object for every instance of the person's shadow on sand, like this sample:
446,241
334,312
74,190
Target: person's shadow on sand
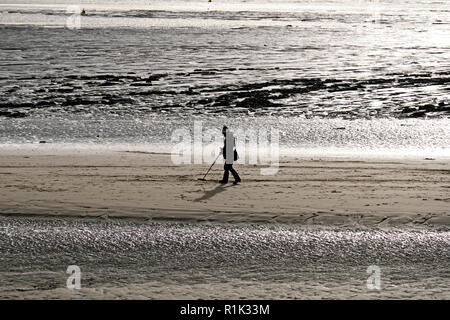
211,193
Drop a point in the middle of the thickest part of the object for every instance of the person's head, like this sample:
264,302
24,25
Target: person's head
224,130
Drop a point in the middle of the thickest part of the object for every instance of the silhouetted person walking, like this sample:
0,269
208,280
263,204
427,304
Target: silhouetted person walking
229,154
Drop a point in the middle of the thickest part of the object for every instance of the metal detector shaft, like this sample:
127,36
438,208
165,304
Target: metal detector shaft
210,167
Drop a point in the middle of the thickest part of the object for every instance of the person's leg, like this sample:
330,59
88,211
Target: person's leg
226,173
235,174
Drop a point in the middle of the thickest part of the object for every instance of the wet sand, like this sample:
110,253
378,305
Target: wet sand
304,191
125,259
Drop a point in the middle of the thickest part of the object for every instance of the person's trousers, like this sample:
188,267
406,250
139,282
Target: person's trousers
229,168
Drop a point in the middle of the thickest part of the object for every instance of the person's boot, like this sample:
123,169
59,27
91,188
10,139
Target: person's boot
223,182
236,181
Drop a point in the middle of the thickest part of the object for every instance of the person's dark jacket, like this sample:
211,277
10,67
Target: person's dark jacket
224,149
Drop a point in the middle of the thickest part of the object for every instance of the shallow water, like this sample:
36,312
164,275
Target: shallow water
136,71
112,253
391,138
325,59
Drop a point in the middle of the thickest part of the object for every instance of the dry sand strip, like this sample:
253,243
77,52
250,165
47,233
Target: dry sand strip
304,191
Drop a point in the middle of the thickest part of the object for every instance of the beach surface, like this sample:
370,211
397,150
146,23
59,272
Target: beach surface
313,191
126,259
140,227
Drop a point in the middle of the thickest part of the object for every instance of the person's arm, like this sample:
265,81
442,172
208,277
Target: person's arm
224,150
